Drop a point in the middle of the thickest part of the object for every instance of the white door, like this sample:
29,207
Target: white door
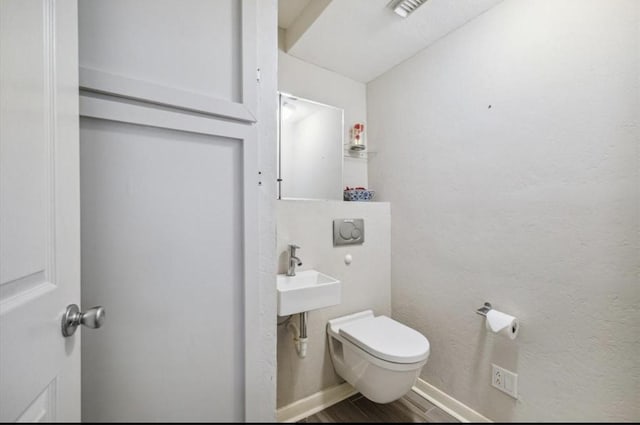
39,210
168,204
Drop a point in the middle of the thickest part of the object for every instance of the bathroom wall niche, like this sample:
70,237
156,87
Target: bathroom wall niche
310,149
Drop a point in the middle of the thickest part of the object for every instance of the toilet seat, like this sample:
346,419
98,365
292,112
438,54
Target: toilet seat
386,339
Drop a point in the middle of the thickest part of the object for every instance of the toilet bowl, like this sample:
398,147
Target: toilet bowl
379,357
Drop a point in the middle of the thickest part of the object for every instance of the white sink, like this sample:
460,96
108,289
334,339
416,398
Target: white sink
307,290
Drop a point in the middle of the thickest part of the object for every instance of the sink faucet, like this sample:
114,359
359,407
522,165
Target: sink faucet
293,260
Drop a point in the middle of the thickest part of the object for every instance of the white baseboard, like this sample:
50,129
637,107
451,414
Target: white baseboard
314,403
325,398
460,411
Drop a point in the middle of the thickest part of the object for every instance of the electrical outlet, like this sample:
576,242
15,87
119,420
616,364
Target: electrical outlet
504,380
497,377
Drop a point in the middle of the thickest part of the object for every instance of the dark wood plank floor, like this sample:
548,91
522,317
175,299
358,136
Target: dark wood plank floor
357,408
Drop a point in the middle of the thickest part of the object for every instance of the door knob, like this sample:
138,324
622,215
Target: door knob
92,318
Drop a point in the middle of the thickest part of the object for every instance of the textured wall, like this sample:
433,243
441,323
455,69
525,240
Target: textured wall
309,81
509,152
267,130
365,283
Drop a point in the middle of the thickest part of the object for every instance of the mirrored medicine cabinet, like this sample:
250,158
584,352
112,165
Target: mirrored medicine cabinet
310,149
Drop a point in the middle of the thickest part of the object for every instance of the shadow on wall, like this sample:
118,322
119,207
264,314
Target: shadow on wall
317,337
283,262
297,366
330,376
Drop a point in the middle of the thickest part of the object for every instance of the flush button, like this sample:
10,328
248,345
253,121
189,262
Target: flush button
348,231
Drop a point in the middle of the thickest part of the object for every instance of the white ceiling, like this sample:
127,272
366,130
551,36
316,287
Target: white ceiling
289,10
362,39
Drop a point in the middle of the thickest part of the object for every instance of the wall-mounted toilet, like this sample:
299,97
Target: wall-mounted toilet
378,356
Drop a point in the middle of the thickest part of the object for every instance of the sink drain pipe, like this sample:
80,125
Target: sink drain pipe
300,335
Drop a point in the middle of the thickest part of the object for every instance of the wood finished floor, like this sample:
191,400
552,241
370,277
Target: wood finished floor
357,408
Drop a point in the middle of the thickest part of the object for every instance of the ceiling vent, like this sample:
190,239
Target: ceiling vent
405,8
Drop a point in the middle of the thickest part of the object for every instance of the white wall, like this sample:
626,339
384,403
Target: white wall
309,81
366,283
509,151
267,143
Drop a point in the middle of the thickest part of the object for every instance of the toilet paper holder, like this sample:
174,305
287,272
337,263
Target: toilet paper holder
482,311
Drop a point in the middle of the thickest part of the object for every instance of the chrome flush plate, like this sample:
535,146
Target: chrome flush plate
348,231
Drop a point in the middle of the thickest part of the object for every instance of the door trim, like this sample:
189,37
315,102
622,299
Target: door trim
93,80
112,109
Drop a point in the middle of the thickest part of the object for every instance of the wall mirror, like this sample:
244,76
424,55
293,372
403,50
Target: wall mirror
310,149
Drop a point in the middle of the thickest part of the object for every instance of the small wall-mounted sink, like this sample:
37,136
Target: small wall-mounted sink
307,290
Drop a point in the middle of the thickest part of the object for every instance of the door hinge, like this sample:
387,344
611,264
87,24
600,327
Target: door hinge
258,75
